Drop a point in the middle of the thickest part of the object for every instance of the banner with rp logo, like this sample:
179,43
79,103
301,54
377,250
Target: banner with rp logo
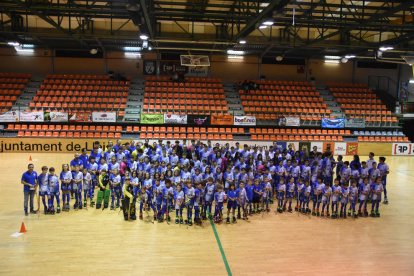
402,149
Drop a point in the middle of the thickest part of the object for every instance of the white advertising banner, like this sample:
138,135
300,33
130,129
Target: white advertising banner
9,116
402,149
58,116
340,149
35,116
292,121
103,117
244,120
319,145
175,119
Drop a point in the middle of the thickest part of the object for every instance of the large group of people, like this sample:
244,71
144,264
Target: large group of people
203,178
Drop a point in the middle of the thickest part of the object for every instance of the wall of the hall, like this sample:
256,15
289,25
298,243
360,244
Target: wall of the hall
39,64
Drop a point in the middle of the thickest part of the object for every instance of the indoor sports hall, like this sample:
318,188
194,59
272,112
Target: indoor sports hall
206,137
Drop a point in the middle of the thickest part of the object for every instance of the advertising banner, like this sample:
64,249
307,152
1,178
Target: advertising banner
197,71
289,121
333,123
305,146
150,67
295,145
222,120
175,119
340,149
34,116
9,116
198,120
328,146
244,120
281,145
103,117
351,148
318,145
170,67
355,122
402,149
56,116
81,117
152,118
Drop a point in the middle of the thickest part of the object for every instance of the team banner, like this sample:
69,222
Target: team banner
152,118
103,117
56,116
402,149
333,123
34,116
81,117
150,67
289,121
198,120
175,119
222,120
9,116
355,122
351,148
244,120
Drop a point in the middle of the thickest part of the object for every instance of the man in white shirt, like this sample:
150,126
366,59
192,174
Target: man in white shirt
371,160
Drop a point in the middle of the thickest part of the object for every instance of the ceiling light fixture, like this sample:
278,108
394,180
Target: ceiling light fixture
350,56
12,43
233,52
333,57
386,48
143,36
262,26
332,61
235,57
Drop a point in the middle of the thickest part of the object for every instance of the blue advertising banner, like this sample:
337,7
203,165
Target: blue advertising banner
281,145
333,123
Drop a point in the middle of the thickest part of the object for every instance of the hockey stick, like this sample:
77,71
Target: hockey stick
77,194
150,219
278,202
244,210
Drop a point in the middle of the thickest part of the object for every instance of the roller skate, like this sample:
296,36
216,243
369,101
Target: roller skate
303,211
140,216
203,216
359,213
52,210
349,213
385,200
216,220
327,214
238,216
155,218
58,209
168,218
105,205
112,206
181,220
228,220
317,213
133,217
84,203
190,222
355,215
341,215
67,207
271,200
177,221
372,213
308,210
313,212
365,213
80,205
251,212
290,210
268,209
296,208
322,214
117,205
284,207
75,206
161,220
377,214
93,203
234,220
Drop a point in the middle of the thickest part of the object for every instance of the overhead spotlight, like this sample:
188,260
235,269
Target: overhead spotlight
12,43
268,21
344,60
20,49
262,26
143,36
333,57
350,56
242,41
279,58
233,52
149,48
386,48
94,51
332,61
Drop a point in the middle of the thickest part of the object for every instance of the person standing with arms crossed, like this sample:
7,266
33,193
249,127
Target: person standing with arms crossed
29,180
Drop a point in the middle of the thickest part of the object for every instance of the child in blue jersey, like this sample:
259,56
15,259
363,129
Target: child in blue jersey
135,183
167,194
115,181
326,199
345,173
336,193
145,198
249,195
306,191
295,171
92,170
363,173
197,203
315,172
77,187
242,198
232,198
185,174
43,180
54,189
317,198
209,196
344,199
87,185
299,194
179,203
189,201
327,168
202,202
384,171
66,185
257,195
228,178
219,198
353,198
157,195
290,191
281,193
267,193
364,191
355,175
197,177
306,170
377,189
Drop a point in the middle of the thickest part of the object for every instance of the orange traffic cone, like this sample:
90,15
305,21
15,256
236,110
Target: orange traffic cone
30,158
22,228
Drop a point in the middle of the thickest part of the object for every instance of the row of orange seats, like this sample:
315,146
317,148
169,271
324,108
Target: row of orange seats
351,90
184,90
151,129
297,138
81,93
49,134
287,110
17,127
291,104
288,88
15,75
8,98
355,95
270,82
277,92
184,102
83,87
78,99
167,79
12,86
285,99
87,82
9,80
80,77
299,131
360,101
368,112
183,85
273,116
375,119
185,96
352,85
77,105
10,92
6,104
186,107
383,139
186,136
363,106
187,112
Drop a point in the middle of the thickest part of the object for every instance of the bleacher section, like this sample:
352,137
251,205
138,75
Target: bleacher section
193,96
11,86
80,93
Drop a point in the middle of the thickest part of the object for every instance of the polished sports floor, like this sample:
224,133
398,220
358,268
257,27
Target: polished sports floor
87,242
